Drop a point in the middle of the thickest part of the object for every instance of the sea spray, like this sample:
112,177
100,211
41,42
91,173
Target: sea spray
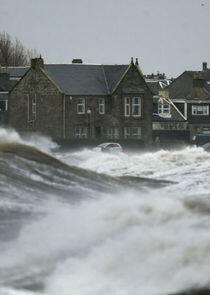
87,233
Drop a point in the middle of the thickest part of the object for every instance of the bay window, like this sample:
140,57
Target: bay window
132,106
136,108
127,107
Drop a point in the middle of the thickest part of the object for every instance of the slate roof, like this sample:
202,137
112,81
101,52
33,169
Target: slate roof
156,85
183,85
4,96
85,79
207,87
16,72
7,85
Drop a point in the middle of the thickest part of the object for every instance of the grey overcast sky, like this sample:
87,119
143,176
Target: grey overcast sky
166,35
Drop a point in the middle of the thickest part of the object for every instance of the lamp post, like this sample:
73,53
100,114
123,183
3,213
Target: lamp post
89,117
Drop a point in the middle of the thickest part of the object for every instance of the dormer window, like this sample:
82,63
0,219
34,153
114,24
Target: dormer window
164,109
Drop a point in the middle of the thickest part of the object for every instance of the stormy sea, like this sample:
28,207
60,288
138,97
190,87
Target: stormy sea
86,222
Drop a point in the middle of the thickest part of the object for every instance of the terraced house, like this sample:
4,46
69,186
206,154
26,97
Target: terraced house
82,102
190,93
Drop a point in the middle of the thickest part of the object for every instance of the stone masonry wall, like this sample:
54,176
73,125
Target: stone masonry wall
48,118
134,85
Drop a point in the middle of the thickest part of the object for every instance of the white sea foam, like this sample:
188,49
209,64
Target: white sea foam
43,143
125,244
131,243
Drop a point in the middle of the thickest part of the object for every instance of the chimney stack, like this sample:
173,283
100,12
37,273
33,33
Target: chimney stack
37,63
77,61
205,66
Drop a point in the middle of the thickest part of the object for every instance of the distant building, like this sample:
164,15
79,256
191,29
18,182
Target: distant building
81,102
157,82
190,93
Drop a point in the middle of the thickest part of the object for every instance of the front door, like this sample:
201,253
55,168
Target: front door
98,132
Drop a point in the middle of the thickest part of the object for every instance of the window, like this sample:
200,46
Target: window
3,105
33,107
127,107
206,130
80,132
133,104
132,132
136,110
164,109
101,106
80,106
112,133
200,110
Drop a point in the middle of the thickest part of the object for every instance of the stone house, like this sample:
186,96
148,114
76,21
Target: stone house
9,76
190,93
83,103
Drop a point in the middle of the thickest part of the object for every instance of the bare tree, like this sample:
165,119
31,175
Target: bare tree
13,53
5,49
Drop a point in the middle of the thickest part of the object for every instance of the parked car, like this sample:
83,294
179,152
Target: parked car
206,147
109,147
201,139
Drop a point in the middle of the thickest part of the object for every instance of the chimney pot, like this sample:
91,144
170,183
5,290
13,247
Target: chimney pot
205,66
137,62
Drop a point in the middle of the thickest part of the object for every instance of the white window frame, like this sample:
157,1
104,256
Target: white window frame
195,110
138,104
81,104
101,106
112,133
127,106
81,132
163,110
129,133
6,105
33,106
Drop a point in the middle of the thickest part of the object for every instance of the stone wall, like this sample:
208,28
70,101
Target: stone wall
133,84
48,118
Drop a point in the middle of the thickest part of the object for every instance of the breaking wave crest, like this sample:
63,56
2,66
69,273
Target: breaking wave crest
87,222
